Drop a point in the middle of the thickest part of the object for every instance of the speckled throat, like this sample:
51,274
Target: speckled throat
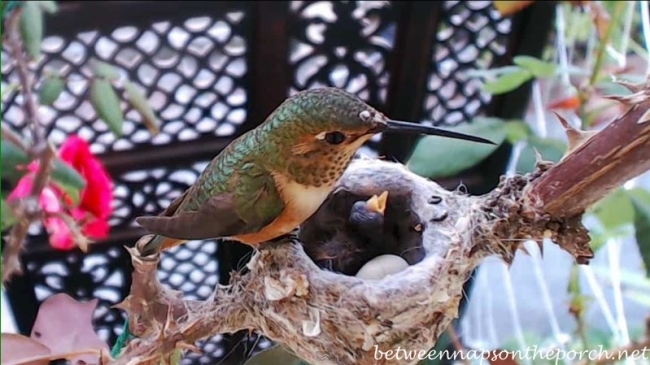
319,168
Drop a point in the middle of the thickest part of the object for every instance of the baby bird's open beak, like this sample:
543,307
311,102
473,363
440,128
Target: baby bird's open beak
378,203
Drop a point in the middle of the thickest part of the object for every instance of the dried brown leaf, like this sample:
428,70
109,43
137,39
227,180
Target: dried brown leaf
65,325
22,350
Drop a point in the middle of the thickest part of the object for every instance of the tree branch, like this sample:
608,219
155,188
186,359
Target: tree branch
618,153
330,318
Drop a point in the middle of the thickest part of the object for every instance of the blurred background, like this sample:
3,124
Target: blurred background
213,70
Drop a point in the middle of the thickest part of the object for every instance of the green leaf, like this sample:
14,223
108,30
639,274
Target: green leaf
642,229
437,157
274,355
11,158
640,193
104,70
490,72
48,6
31,28
516,131
50,90
68,179
8,216
105,102
536,66
550,149
507,82
614,210
139,102
574,281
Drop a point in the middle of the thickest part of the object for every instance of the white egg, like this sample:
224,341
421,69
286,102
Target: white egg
382,266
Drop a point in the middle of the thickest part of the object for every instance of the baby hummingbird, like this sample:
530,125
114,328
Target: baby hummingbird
271,179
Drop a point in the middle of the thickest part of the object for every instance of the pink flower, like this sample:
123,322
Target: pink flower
98,194
94,209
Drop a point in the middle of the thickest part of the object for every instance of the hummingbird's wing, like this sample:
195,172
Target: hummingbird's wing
253,203
215,218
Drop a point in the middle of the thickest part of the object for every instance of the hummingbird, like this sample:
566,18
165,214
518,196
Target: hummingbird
271,179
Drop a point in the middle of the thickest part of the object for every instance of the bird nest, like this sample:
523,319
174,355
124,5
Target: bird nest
301,291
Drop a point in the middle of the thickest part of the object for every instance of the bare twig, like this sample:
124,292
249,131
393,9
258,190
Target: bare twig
30,209
29,103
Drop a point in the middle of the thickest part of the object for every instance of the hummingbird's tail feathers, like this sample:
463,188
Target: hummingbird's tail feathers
216,218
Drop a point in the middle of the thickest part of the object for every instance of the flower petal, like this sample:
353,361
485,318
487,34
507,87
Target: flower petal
49,201
59,234
96,229
97,197
23,188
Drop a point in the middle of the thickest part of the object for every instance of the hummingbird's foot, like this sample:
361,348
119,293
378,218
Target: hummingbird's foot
291,236
145,246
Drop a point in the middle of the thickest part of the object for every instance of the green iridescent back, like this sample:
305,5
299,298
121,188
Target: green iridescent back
244,166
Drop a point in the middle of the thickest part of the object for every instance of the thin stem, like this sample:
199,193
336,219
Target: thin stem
602,48
18,54
491,326
578,305
599,295
28,212
560,25
627,28
613,247
538,105
546,299
29,207
510,293
645,21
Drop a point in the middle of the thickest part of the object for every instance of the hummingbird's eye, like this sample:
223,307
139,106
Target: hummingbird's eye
334,137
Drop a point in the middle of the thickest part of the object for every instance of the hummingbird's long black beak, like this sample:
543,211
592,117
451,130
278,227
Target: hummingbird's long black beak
406,127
